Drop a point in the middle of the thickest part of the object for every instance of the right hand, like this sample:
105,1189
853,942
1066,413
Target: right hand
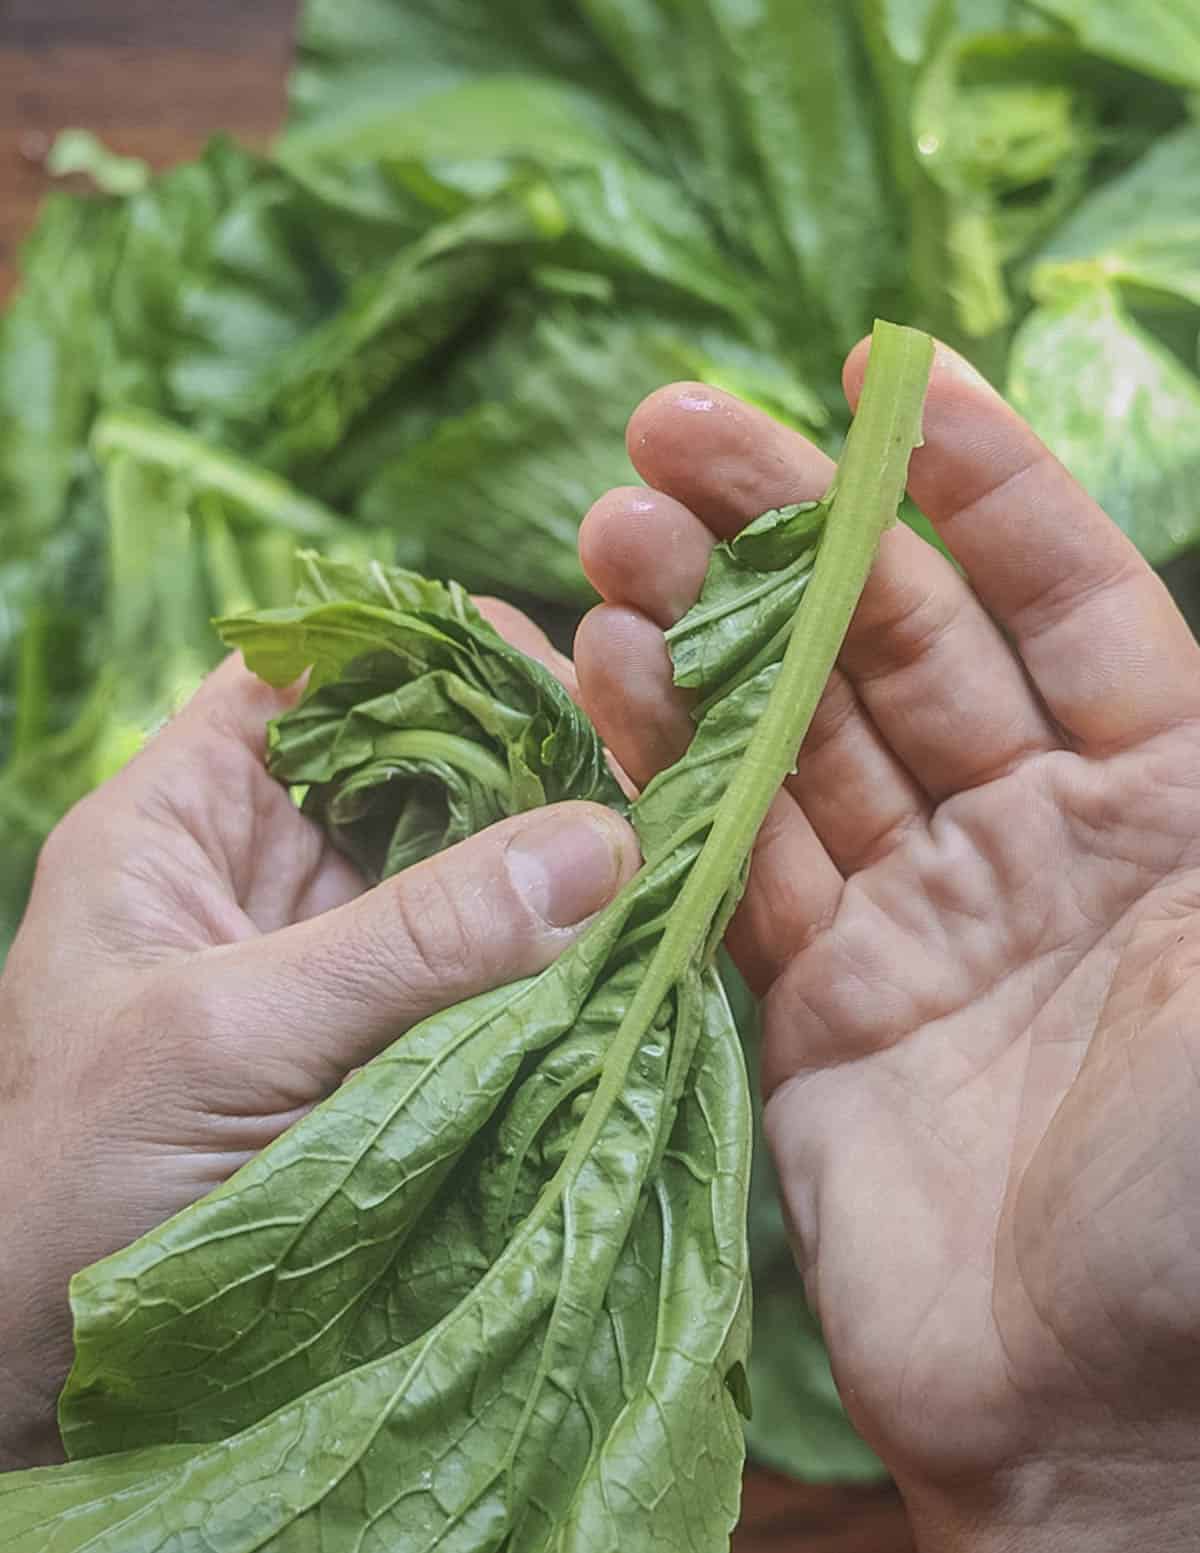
974,921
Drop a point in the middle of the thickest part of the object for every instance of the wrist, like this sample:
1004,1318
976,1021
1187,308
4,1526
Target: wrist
1109,1503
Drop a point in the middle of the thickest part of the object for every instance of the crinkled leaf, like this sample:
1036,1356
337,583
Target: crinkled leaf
397,772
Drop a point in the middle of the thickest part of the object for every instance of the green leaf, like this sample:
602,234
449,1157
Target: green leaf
79,151
1005,128
589,1300
380,52
500,118
50,593
795,77
495,494
1142,230
1162,38
531,1437
193,531
396,773
751,589
1120,411
391,321
220,270
50,348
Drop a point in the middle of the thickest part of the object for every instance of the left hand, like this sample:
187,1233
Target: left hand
198,968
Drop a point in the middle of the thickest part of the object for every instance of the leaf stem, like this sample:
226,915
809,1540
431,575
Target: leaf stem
871,479
450,748
263,498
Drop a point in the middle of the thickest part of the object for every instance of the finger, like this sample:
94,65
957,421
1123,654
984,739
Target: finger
625,677
642,548
1102,641
520,632
233,703
858,800
930,667
792,892
192,842
936,675
647,550
724,460
305,1005
205,776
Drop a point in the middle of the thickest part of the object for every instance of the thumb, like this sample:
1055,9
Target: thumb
299,1008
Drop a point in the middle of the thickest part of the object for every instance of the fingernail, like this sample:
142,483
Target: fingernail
568,865
952,364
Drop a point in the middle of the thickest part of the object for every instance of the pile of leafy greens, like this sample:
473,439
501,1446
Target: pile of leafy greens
494,1292
491,226
412,333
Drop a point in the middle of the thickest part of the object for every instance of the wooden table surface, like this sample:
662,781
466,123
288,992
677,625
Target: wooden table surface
155,80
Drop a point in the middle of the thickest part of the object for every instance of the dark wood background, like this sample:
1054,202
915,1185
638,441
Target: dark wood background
154,78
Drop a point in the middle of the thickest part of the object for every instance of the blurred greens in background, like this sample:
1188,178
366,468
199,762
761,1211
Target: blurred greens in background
490,227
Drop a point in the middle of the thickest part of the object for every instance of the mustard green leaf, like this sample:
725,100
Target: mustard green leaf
1119,409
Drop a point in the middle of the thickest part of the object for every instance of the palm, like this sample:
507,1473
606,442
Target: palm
235,857
1003,1163
972,916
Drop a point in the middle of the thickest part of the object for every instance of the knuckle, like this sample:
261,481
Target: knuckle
837,708
437,944
176,1013
182,1034
60,846
907,634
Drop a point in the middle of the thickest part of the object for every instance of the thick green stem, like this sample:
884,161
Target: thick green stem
261,496
870,484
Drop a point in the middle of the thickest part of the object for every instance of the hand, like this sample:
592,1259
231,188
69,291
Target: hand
197,968
974,921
